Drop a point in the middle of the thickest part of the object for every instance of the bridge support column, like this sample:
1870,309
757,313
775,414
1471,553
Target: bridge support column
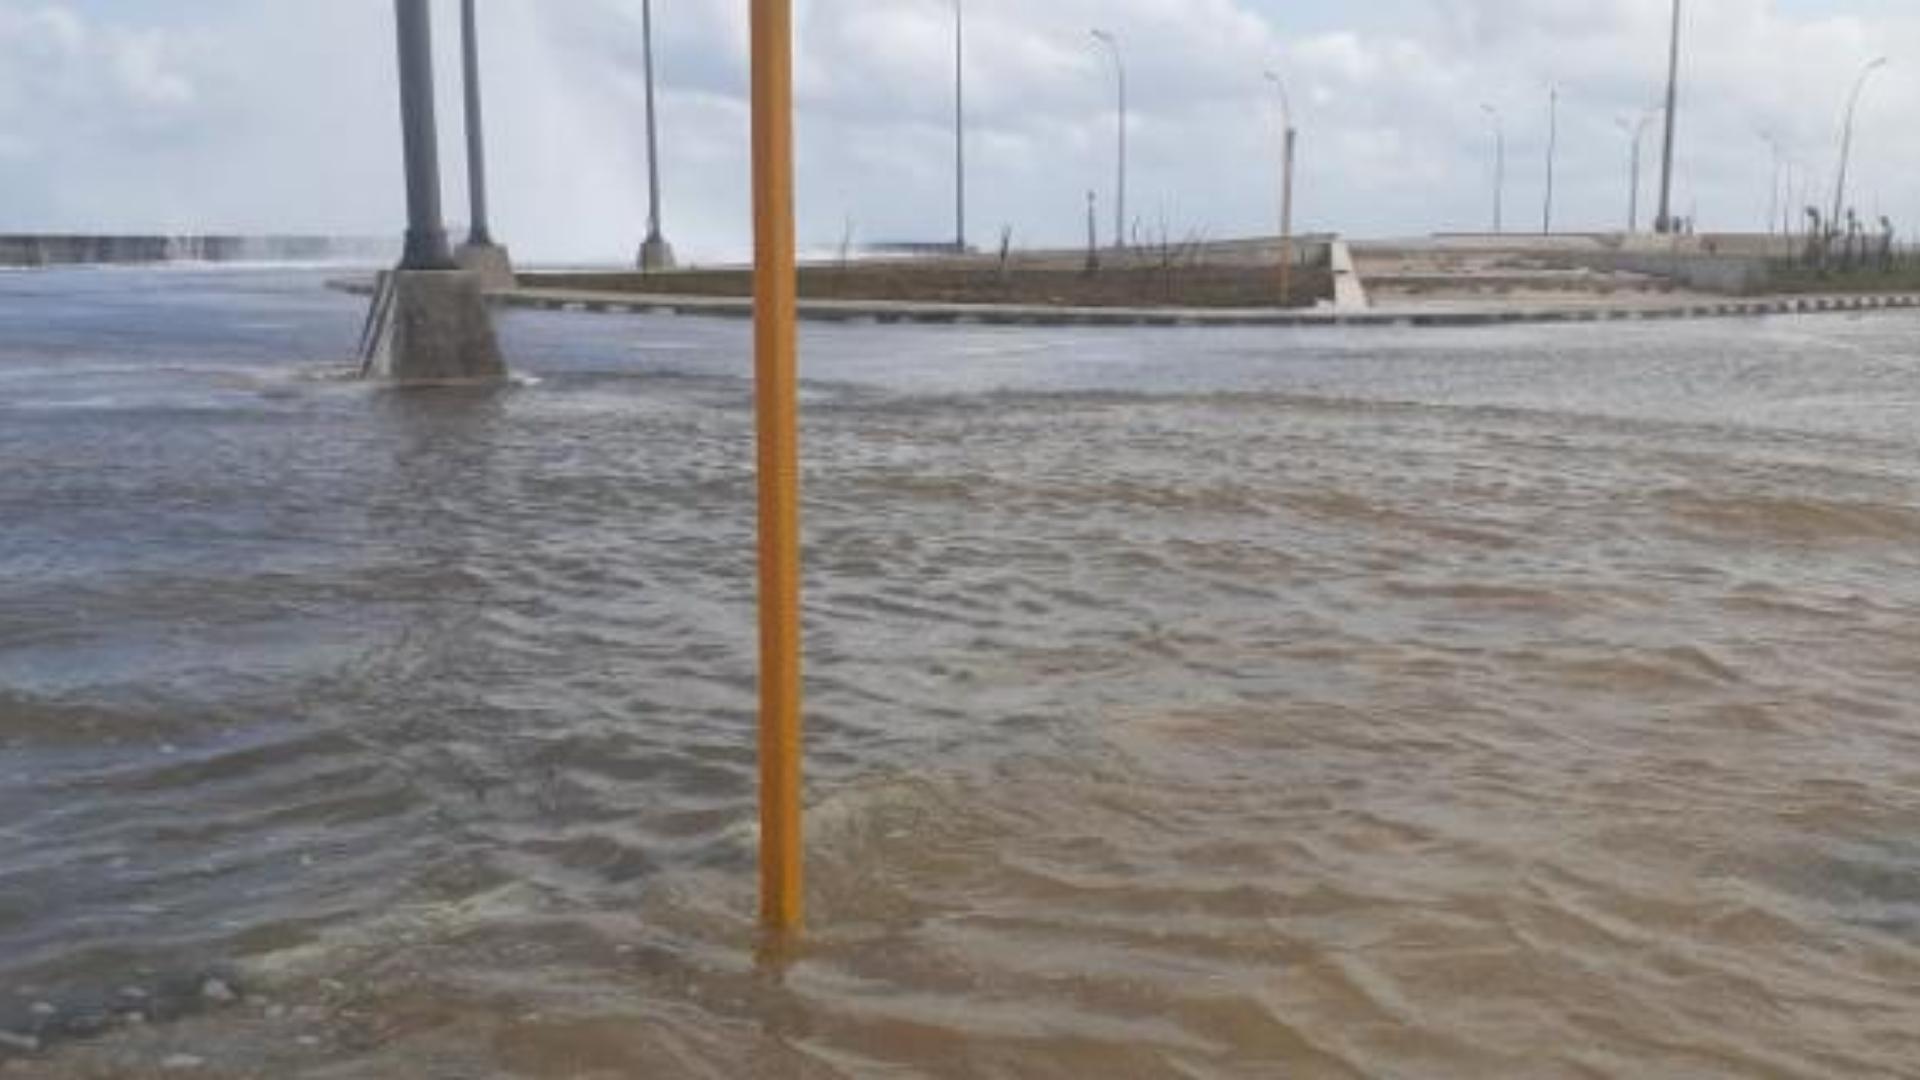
434,326
437,330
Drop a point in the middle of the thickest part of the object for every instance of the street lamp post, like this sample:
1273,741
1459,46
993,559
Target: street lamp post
1093,232
1553,148
426,246
1665,223
1499,167
1846,139
959,129
478,235
1120,186
1786,204
655,252
1288,140
1638,133
1773,194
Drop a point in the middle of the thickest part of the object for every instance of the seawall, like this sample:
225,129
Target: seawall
55,249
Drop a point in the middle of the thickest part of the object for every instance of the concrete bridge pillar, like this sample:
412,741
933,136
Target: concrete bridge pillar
433,323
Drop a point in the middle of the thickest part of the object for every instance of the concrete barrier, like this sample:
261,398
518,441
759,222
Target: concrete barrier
440,331
38,250
1349,292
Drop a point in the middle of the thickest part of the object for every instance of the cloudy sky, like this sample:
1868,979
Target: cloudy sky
256,115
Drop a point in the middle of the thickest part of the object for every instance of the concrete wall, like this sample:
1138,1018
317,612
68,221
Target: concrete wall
79,250
1736,275
1513,242
1349,292
1310,251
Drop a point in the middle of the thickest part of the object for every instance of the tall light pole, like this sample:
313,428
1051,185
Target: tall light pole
426,246
1553,148
1665,223
655,252
1846,138
1288,140
1786,204
1120,185
959,129
1638,133
1499,167
1773,196
478,235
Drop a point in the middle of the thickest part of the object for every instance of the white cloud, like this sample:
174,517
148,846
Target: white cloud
64,68
148,71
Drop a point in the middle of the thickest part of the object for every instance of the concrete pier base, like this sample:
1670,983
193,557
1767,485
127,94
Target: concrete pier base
491,262
438,331
656,254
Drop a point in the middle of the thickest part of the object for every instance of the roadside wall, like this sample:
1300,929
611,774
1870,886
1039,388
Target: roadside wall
1737,275
81,250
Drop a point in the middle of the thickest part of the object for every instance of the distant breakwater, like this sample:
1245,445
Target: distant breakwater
100,250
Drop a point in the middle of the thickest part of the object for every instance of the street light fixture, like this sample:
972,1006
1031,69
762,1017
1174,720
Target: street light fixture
1288,139
1846,139
1499,166
1120,187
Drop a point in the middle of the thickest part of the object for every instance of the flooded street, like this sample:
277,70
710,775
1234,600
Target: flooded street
1525,702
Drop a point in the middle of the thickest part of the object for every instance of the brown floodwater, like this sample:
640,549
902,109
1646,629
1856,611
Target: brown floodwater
1531,702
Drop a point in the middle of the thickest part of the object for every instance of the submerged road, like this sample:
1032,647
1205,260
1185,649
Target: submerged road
1516,701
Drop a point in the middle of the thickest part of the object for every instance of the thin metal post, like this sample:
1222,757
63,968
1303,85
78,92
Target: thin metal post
1287,145
776,400
1553,148
1499,167
1120,185
1773,191
478,231
426,245
1286,220
1665,223
1500,179
959,129
1093,232
1846,139
1638,133
1633,196
1786,207
655,240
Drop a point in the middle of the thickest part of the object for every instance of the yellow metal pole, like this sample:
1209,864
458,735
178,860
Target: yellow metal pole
776,396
